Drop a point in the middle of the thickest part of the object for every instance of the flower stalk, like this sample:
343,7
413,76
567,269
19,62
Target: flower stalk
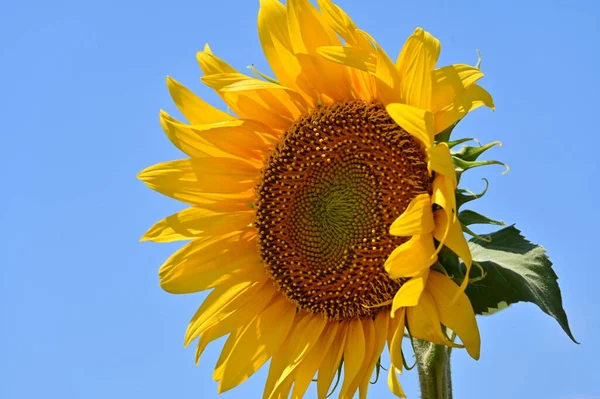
433,363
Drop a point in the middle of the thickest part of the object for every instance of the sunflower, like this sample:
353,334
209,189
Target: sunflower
319,206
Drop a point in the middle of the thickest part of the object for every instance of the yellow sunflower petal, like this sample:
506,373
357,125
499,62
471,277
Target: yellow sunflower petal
194,222
205,264
311,363
416,121
443,194
308,32
330,364
394,384
456,314
450,81
184,138
342,24
440,160
280,359
380,326
410,258
396,344
454,239
388,80
220,298
355,352
275,105
416,219
424,321
275,40
230,318
415,64
257,343
210,64
302,342
351,56
195,110
410,292
472,98
188,178
234,138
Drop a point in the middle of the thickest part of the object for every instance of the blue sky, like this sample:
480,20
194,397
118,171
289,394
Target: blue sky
82,84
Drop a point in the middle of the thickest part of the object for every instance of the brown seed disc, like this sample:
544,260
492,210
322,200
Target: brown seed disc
329,192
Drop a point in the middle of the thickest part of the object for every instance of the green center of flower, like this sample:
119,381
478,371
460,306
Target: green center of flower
330,190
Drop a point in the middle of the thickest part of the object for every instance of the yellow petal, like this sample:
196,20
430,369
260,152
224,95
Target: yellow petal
388,80
274,105
415,64
194,222
309,31
302,342
235,138
230,318
350,56
456,314
440,160
310,364
204,264
227,348
211,65
454,239
184,138
343,25
450,81
410,258
275,40
394,384
410,292
396,344
330,364
355,352
443,194
194,109
381,327
188,179
424,322
415,121
416,219
214,304
257,343
472,98
282,357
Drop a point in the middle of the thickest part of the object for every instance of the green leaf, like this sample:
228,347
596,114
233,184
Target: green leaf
468,153
469,217
515,271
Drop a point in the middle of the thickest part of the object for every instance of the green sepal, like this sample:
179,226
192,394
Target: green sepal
463,196
516,270
444,136
461,165
452,144
468,153
377,371
337,380
262,75
469,217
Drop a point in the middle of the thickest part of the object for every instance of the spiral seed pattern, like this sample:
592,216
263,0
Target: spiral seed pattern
329,192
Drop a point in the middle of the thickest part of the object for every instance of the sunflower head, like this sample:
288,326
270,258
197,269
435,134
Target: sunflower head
318,209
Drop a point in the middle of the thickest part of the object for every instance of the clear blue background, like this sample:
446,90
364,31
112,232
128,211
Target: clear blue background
81,312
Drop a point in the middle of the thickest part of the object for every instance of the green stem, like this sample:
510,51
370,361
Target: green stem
434,370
